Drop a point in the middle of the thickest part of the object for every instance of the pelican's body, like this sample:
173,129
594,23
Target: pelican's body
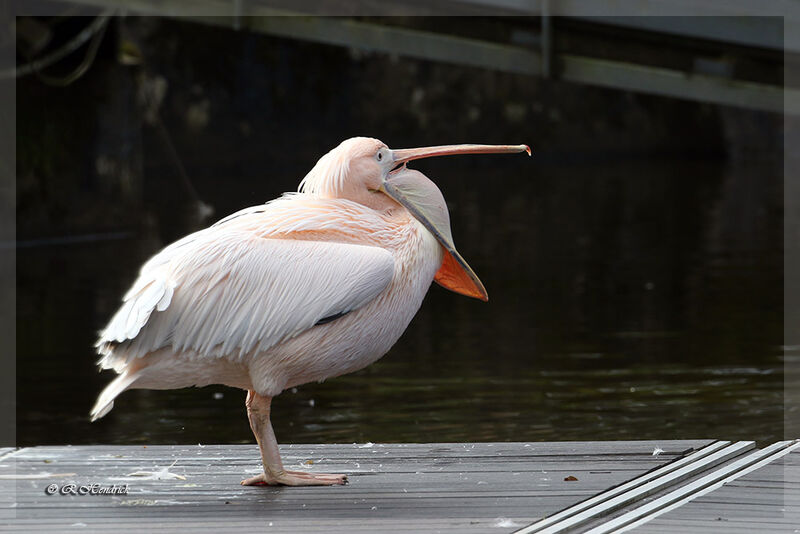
310,286
389,259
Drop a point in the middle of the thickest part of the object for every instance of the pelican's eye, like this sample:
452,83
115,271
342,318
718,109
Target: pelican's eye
381,155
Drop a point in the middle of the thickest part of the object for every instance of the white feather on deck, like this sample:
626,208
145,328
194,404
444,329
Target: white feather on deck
275,287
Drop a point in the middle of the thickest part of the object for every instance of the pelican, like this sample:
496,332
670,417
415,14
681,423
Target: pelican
309,286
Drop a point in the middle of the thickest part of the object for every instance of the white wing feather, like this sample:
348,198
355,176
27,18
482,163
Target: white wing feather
227,292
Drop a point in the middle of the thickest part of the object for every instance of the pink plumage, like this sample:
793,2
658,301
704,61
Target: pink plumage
309,286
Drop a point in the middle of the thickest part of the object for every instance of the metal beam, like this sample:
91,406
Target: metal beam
758,31
401,41
476,53
774,25
604,73
678,84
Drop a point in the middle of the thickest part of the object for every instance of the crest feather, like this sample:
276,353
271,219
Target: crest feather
327,178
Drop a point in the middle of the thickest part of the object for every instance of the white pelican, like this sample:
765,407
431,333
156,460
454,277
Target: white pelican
309,286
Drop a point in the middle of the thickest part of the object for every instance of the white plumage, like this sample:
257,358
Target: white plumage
306,287
253,280
228,292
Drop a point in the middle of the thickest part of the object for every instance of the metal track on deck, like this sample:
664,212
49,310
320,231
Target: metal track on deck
697,488
644,498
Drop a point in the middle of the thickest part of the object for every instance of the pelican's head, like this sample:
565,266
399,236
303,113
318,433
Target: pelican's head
367,171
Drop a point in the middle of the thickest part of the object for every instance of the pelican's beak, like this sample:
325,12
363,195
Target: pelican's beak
407,154
425,202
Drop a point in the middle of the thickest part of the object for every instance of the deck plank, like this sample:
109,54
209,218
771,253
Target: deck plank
480,487
744,505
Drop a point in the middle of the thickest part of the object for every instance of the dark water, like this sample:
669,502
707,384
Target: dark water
633,264
592,331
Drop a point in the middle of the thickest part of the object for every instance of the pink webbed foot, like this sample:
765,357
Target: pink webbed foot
295,478
258,410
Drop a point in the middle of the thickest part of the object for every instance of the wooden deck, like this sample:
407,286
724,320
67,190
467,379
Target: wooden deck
480,487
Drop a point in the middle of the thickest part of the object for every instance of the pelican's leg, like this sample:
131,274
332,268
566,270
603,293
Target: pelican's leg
258,409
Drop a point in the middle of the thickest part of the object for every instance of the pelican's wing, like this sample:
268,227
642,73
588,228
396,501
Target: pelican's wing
225,291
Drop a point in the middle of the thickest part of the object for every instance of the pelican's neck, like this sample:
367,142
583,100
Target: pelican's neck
415,248
375,200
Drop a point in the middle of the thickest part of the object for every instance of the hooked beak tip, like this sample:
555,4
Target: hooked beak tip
528,149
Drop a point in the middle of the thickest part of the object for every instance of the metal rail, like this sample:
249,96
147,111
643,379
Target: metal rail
629,505
633,491
697,488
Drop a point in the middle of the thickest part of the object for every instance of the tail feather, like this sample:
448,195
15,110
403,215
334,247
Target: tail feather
105,402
